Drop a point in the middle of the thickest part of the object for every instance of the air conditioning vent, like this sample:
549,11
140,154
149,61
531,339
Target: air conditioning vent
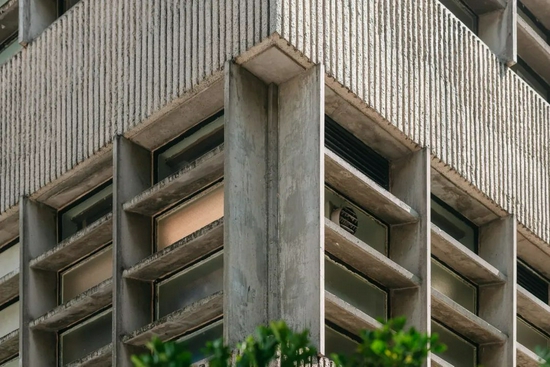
346,218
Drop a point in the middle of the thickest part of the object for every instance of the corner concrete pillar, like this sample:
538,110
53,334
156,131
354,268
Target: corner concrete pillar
37,288
34,17
274,166
498,29
410,243
132,236
497,303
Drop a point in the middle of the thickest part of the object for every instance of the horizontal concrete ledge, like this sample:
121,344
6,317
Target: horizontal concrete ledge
99,358
481,7
456,317
201,243
61,317
347,316
437,361
78,245
366,193
9,345
462,260
198,174
9,225
180,322
533,49
526,357
366,259
9,286
533,309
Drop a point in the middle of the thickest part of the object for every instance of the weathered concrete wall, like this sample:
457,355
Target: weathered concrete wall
430,77
101,69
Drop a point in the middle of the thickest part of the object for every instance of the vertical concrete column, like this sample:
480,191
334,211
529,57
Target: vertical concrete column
274,141
34,17
497,303
410,243
132,242
37,288
498,29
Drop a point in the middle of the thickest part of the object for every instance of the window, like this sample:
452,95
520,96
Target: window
463,13
86,211
355,152
454,224
531,77
454,286
85,338
338,341
460,352
9,258
11,363
193,144
356,221
9,27
8,48
531,337
532,281
9,317
195,341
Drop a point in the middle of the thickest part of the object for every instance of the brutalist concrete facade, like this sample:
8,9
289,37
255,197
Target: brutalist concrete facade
110,81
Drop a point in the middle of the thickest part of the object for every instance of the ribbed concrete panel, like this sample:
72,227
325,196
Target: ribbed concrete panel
430,77
104,67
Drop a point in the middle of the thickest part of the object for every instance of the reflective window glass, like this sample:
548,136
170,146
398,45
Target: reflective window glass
189,147
454,224
362,225
460,352
9,259
189,217
196,341
191,285
530,337
454,286
355,290
336,342
86,274
86,211
9,318
87,337
11,363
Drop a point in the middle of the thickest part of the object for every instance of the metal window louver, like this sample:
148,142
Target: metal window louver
356,153
534,283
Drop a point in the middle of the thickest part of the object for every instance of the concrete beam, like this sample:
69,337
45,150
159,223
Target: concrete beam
37,288
34,17
533,309
9,345
9,226
9,286
346,316
533,49
132,238
410,243
497,29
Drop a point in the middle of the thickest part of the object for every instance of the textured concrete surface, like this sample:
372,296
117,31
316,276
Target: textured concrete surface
9,286
365,192
76,309
527,358
99,358
9,345
365,259
75,247
346,316
201,243
462,260
198,174
533,309
179,322
464,322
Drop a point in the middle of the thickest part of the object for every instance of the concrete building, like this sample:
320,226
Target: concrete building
194,168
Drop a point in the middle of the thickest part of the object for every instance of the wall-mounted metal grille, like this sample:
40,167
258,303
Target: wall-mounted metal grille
356,153
532,282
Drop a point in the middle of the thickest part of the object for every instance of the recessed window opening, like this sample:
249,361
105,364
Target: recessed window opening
190,146
460,351
530,336
64,5
9,317
86,274
86,210
197,339
454,286
355,289
531,77
531,19
338,340
532,281
454,224
464,13
192,284
9,258
356,221
348,147
88,336
193,214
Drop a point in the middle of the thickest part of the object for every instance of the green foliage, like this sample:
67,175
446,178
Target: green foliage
391,346
544,354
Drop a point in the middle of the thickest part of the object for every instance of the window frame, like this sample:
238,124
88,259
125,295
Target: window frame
467,340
